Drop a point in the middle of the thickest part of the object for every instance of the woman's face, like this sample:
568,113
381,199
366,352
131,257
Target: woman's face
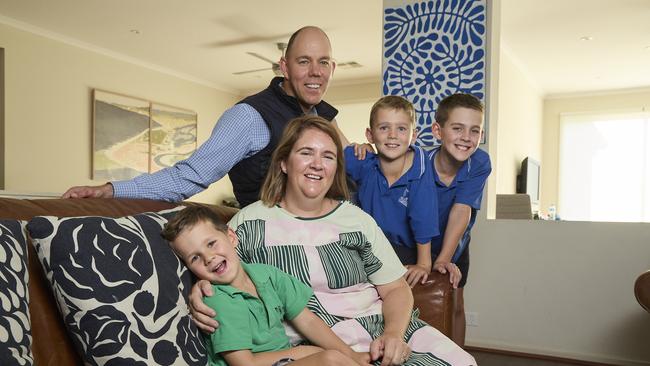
310,166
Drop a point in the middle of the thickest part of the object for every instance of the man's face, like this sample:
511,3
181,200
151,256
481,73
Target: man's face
308,67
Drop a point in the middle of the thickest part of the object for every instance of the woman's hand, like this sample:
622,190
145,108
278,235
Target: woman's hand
416,273
202,315
391,349
454,271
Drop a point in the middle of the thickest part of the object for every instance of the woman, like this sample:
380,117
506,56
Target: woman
304,226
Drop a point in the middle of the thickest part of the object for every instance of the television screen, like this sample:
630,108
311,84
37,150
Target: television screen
528,179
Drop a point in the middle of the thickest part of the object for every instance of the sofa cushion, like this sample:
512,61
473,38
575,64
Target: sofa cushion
15,330
121,290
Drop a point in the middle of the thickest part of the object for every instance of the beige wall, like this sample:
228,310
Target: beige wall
48,109
354,103
520,123
601,102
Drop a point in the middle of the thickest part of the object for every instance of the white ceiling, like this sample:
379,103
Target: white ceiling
544,35
207,40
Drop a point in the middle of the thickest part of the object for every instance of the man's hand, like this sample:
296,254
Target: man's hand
103,191
391,349
454,271
202,315
416,273
360,150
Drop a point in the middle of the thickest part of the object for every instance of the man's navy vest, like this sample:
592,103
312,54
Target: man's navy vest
277,109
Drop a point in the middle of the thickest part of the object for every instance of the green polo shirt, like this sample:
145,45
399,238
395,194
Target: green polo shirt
248,322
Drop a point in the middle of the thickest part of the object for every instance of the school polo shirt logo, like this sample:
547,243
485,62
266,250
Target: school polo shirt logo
404,199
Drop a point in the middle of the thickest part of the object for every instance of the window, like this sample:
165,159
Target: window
605,167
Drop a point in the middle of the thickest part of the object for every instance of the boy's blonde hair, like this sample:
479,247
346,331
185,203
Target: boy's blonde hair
458,100
393,102
189,217
275,184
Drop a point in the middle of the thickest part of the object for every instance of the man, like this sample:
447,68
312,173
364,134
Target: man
245,136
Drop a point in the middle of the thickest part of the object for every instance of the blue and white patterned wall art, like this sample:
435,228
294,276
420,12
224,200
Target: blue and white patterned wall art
432,49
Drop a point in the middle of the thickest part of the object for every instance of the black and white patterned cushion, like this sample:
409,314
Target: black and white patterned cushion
120,288
15,329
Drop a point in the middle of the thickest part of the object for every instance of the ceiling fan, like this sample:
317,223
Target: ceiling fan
275,66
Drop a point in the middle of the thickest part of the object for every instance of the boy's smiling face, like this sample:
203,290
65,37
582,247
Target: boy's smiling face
209,253
461,134
392,133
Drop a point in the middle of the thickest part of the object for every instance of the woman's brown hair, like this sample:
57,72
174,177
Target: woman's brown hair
275,184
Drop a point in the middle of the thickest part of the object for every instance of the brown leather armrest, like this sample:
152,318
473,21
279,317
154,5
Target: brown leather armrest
642,290
434,299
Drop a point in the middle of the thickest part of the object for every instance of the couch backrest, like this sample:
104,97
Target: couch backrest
52,346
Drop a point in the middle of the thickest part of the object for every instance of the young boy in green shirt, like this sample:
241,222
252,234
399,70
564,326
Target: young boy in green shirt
251,301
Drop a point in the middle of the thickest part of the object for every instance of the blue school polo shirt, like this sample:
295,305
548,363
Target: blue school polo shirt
467,188
407,211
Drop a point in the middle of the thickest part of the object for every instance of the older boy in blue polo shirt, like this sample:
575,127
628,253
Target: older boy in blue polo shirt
251,301
460,171
396,185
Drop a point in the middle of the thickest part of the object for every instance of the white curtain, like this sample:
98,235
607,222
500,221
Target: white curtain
605,167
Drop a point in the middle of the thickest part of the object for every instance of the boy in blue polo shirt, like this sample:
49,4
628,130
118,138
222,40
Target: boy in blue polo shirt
396,185
251,301
460,172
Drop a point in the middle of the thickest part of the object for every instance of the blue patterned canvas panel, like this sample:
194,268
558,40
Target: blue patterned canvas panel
432,49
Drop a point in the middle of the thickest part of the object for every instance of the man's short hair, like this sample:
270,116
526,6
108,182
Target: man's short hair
459,100
393,102
189,217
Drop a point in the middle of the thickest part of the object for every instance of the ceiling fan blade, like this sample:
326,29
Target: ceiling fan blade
250,71
261,57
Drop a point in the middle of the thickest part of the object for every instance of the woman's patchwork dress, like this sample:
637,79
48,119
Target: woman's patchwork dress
342,256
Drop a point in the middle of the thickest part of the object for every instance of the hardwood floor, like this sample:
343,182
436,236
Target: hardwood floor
501,358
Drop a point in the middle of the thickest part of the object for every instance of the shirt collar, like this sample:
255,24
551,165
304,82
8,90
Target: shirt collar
259,276
417,168
322,109
461,175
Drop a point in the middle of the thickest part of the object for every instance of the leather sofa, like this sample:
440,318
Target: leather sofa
52,346
642,290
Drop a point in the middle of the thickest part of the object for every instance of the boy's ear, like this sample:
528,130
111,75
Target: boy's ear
415,135
436,130
369,135
232,237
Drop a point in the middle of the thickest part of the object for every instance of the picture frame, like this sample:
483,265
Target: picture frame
132,136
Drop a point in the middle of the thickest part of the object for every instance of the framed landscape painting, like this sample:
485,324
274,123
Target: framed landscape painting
173,136
132,136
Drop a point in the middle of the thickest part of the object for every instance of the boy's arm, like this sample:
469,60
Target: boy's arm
459,217
419,272
318,333
245,357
